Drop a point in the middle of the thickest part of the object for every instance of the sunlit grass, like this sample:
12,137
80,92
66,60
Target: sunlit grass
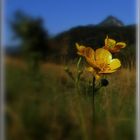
45,106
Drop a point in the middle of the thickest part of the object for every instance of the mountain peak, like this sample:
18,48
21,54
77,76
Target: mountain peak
111,21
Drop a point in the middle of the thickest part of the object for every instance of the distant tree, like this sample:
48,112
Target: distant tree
31,34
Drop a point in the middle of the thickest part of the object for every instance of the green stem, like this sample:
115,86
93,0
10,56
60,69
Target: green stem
93,105
78,63
81,115
78,74
93,95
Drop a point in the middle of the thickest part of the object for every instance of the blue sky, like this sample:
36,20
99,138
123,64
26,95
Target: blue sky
60,15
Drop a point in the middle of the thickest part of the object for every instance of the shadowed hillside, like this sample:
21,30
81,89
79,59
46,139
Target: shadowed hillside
62,46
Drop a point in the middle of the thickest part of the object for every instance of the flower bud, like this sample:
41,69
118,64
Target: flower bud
104,82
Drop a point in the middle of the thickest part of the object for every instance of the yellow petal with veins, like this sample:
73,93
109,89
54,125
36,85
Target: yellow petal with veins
114,64
103,55
110,42
120,45
112,45
107,72
89,53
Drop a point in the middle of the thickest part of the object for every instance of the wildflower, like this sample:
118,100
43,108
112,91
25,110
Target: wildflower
100,61
85,51
112,46
104,82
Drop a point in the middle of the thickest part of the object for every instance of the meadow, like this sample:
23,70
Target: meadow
43,104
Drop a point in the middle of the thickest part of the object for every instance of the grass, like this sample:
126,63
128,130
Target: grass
44,105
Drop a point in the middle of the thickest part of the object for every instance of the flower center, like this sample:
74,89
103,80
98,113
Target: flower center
104,67
111,45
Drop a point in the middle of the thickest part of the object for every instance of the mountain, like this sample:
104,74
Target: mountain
93,36
63,44
111,21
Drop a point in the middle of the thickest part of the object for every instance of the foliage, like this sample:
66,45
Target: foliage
31,34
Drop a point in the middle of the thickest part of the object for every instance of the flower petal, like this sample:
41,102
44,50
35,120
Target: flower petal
90,69
102,55
89,53
107,71
114,64
109,43
90,56
120,45
80,48
114,50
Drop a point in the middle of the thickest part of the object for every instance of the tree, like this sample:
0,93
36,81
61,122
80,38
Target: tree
31,34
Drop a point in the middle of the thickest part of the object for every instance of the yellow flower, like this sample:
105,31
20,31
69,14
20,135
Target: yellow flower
103,62
112,46
100,61
86,52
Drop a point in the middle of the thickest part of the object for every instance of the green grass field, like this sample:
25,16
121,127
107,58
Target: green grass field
44,105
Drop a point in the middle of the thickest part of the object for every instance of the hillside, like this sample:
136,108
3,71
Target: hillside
93,36
111,21
62,46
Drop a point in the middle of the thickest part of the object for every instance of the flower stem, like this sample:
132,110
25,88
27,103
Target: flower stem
93,90
93,105
79,103
78,74
78,63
